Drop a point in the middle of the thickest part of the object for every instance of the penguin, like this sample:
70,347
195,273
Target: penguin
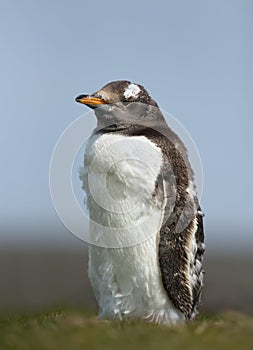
146,224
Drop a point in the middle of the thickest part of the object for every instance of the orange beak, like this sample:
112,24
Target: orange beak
90,100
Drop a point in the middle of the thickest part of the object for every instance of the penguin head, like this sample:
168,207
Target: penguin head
115,92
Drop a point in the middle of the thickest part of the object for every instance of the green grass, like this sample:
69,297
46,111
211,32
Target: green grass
70,329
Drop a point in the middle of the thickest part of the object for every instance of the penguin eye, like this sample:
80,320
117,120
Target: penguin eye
97,96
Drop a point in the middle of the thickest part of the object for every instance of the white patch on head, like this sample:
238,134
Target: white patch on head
132,90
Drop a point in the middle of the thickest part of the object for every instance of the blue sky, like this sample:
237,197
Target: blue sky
194,57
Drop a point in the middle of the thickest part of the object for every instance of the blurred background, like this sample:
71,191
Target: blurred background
194,57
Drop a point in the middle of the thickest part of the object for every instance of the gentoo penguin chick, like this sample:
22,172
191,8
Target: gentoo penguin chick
146,228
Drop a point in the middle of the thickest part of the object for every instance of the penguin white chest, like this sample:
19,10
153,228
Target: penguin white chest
119,177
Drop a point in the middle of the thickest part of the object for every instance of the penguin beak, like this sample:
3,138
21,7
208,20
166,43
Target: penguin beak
90,101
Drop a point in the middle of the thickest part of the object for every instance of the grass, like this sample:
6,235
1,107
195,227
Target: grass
77,329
